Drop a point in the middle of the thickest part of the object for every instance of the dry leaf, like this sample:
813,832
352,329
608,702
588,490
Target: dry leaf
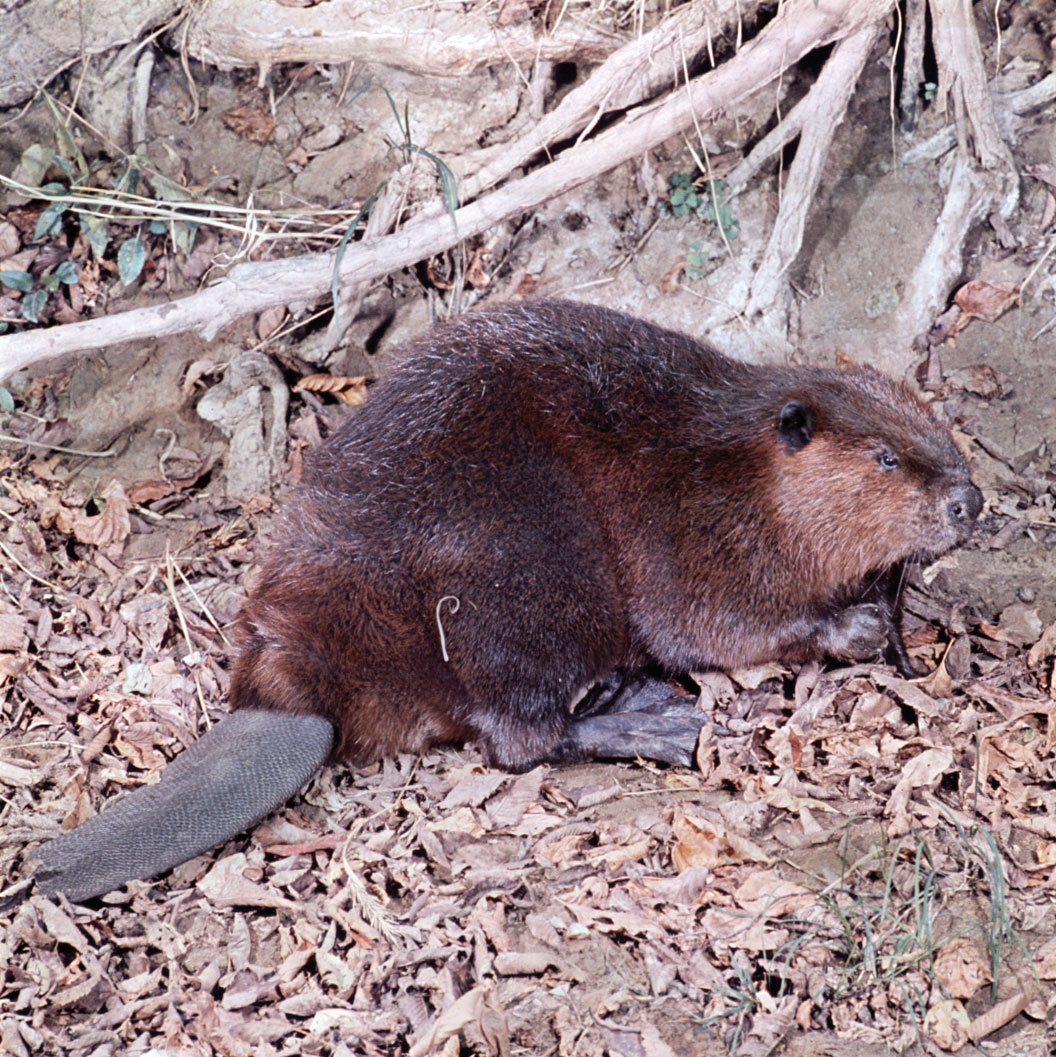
700,843
946,1024
468,1009
476,276
507,810
112,525
979,299
923,771
766,894
960,968
463,821
250,123
473,789
997,1017
980,379
225,885
270,320
1048,214
352,390
653,1044
1044,171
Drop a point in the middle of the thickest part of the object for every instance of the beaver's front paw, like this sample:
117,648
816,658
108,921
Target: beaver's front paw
858,633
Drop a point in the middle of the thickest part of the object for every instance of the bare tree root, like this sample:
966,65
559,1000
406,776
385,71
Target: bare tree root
631,74
1007,107
969,198
912,63
801,27
976,188
820,114
962,78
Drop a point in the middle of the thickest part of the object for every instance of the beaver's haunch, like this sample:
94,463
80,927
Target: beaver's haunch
539,497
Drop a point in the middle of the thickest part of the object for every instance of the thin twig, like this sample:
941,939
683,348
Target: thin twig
109,453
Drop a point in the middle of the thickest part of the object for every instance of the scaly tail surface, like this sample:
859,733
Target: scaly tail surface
241,770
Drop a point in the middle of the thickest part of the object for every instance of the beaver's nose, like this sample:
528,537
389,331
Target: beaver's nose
964,504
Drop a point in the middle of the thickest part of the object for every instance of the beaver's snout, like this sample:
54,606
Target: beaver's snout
964,504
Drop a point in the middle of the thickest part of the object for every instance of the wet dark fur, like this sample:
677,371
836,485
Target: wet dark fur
598,494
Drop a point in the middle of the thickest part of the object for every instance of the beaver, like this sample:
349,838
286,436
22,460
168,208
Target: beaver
541,502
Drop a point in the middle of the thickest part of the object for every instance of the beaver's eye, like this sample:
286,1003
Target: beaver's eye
888,460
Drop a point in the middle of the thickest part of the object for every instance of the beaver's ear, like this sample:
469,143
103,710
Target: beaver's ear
795,424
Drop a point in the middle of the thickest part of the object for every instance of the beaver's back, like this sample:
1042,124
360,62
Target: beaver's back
595,492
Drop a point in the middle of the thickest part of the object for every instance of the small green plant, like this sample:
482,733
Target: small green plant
37,289
683,198
930,90
448,187
717,210
696,261
707,201
101,198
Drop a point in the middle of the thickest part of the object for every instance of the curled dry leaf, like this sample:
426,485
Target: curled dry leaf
979,299
979,378
468,1009
653,1044
1045,960
923,771
1044,648
1045,854
997,1017
476,276
1049,212
700,843
111,526
508,809
197,370
352,390
1044,171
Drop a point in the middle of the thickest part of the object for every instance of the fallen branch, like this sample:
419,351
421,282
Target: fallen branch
249,288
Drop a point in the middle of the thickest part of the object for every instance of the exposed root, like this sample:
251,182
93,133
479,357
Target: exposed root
913,34
801,27
630,75
819,115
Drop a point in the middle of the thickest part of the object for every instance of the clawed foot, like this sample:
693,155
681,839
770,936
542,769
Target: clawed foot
654,727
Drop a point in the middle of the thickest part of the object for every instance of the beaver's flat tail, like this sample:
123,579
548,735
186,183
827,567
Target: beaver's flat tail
241,770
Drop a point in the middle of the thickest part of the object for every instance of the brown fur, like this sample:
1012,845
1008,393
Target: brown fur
598,494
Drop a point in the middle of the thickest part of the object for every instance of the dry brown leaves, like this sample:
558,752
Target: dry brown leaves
830,866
